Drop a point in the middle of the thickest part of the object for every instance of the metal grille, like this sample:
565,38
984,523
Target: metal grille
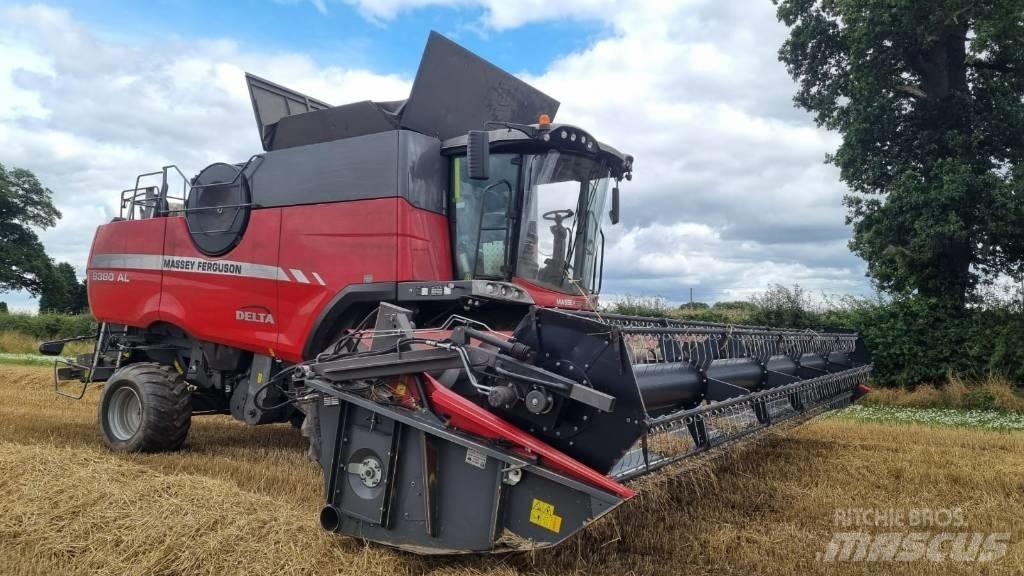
657,340
673,437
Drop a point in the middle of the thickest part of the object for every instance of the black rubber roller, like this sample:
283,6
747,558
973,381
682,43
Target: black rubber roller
742,372
781,370
811,365
667,385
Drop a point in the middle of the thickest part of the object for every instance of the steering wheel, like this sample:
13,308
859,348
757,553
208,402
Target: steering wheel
557,216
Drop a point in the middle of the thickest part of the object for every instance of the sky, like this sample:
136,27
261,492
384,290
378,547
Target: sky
730,191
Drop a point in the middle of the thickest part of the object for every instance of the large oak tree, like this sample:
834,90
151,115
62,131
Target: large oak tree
24,204
928,96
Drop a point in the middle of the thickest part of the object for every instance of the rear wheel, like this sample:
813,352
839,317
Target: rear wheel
145,407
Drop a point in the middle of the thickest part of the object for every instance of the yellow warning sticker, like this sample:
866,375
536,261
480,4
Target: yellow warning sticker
543,514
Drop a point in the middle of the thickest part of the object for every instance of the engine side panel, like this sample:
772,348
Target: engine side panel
424,246
351,243
335,245
124,271
232,299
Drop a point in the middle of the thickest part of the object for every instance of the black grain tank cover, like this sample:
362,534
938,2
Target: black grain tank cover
455,91
348,121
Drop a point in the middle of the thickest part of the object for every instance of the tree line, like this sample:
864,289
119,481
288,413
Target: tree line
928,96
26,205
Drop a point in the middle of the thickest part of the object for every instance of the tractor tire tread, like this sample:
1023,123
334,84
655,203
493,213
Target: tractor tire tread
167,408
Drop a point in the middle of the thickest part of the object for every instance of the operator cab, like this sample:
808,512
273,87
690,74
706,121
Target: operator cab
527,204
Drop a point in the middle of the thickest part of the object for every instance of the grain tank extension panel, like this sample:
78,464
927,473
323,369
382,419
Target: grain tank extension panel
455,91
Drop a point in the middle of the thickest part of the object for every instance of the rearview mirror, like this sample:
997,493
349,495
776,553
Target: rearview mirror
53,348
613,214
478,155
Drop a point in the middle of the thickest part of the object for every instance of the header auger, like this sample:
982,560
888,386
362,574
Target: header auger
414,285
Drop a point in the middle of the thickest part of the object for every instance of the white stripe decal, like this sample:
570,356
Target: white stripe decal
319,279
299,276
137,261
187,264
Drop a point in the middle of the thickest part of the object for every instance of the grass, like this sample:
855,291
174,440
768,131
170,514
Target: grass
25,359
988,419
12,342
993,392
244,500
22,349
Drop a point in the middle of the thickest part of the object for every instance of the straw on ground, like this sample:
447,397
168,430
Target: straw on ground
244,500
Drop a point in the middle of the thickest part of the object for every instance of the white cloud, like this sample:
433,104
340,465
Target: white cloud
88,115
730,192
319,5
498,15
670,259
14,59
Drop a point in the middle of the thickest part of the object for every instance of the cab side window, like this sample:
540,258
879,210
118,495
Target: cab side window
482,209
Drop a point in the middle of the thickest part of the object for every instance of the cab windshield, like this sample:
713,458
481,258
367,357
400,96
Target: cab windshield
560,232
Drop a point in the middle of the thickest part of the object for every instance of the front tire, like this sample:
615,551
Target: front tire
145,407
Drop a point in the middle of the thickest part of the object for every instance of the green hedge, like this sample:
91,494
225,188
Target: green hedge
724,312
912,340
48,326
916,340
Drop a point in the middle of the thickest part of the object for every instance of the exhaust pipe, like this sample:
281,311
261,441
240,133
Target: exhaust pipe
330,518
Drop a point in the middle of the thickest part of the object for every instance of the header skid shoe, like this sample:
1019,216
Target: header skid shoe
459,439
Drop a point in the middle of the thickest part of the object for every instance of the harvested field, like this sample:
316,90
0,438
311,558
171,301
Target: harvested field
244,501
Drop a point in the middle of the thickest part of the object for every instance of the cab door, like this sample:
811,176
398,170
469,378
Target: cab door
483,217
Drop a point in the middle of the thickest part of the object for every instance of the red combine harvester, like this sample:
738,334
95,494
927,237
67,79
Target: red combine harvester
413,284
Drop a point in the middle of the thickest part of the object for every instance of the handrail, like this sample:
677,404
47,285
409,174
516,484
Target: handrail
144,197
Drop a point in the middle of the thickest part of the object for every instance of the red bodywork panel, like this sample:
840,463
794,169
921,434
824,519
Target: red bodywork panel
120,295
204,305
266,293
